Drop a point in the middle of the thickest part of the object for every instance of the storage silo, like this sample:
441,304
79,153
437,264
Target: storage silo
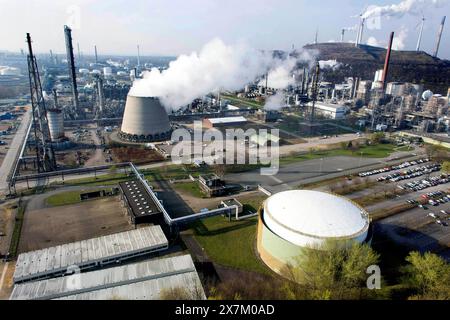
293,220
145,120
55,124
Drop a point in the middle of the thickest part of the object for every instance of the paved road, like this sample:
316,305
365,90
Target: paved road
14,150
292,175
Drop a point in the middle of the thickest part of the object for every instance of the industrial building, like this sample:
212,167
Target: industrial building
223,122
331,111
138,204
144,280
212,185
293,220
145,120
89,254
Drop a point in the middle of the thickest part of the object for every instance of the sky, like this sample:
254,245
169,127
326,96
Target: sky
173,27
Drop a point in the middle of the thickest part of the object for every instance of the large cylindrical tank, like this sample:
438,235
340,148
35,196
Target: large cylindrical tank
145,120
55,124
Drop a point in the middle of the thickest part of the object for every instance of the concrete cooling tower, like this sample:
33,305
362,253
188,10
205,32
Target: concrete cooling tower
145,120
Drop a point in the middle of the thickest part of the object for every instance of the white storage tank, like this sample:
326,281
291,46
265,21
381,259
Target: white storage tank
56,124
293,220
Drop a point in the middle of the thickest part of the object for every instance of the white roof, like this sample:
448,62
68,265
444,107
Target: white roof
306,217
168,270
56,259
227,120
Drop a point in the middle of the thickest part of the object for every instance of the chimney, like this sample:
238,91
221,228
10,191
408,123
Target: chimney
441,30
96,57
387,61
342,35
71,64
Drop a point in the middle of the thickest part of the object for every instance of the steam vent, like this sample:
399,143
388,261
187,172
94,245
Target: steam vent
144,120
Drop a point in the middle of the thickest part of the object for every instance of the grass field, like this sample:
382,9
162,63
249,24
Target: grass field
375,151
191,188
230,244
66,198
245,102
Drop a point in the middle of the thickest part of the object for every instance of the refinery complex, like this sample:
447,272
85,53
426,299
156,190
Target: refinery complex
228,173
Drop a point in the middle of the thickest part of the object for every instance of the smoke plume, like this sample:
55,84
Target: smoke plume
329,64
275,102
216,67
414,7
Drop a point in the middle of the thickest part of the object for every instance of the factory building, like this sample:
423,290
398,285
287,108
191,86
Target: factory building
138,204
223,122
331,111
293,220
363,91
145,120
437,105
146,280
89,254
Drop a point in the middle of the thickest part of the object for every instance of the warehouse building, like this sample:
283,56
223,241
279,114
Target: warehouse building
89,254
293,220
144,281
331,111
137,202
223,122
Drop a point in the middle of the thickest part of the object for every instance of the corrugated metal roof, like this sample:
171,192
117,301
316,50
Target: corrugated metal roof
57,259
143,280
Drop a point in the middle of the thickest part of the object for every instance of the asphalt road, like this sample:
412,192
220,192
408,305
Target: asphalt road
14,150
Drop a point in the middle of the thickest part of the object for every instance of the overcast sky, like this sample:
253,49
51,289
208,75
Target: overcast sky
171,27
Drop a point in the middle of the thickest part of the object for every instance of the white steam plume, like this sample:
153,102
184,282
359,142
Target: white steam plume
399,40
275,102
216,67
414,7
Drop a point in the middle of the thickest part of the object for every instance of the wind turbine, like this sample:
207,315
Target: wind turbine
419,41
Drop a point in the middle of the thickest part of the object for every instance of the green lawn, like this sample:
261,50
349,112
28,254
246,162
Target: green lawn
66,198
245,102
230,244
376,151
191,188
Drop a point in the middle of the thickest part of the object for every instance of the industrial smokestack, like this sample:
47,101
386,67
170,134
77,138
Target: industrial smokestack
100,94
79,52
387,61
96,57
317,36
438,43
138,56
363,21
71,64
342,35
419,41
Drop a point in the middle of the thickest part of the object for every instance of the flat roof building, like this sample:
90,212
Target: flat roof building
223,122
139,205
89,254
144,280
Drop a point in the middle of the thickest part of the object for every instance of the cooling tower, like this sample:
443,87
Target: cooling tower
55,124
144,120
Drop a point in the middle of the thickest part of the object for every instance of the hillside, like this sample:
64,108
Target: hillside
408,66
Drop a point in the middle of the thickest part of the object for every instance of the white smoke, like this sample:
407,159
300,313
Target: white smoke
399,41
404,7
329,64
216,67
372,41
275,102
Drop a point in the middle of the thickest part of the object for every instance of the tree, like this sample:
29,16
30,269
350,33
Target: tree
377,137
430,150
428,275
335,270
220,170
446,167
